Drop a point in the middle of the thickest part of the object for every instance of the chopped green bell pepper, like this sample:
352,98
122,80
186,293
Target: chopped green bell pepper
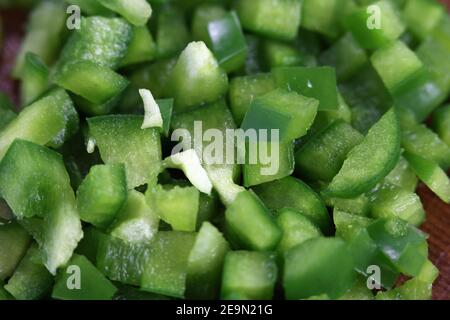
101,194
312,82
431,174
227,42
370,161
279,19
251,224
137,12
318,266
15,242
142,47
166,269
31,280
35,78
248,275
136,221
120,139
375,25
92,284
293,193
322,156
197,68
205,263
441,123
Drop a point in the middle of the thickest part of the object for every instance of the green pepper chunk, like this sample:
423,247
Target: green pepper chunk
205,263
293,193
35,78
92,285
311,82
370,161
441,123
166,269
375,25
31,280
197,68
137,12
401,243
318,266
15,241
43,190
431,174
101,194
142,47
322,156
120,139
248,276
279,19
251,224
228,42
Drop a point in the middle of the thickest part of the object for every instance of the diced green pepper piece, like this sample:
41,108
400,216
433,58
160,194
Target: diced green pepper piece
91,285
365,253
324,16
422,141
441,123
49,120
135,221
167,265
42,190
275,161
31,280
248,275
227,42
142,47
15,241
279,19
318,266
197,68
290,113
101,194
279,54
137,12
322,156
243,90
404,245
375,25
35,78
122,261
346,55
370,161
391,202
251,223
89,245
205,263
100,40
429,11
402,176
203,15
312,82
178,206
367,97
172,34
293,193
166,108
392,70
214,116
431,174
348,225
359,206
358,292
93,82
91,7
46,28
296,228
120,139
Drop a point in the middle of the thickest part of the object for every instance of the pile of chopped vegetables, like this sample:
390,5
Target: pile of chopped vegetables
108,191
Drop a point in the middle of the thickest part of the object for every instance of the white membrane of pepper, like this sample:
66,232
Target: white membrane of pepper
152,115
